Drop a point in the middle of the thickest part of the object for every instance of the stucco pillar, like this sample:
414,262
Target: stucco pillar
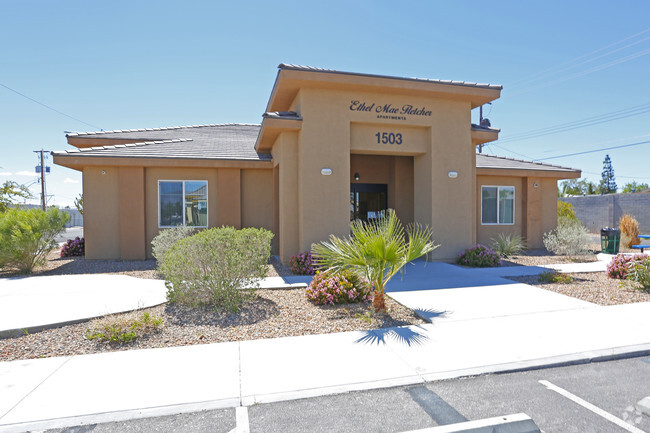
132,213
229,197
532,211
286,153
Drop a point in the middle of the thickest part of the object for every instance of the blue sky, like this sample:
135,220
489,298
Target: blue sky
126,64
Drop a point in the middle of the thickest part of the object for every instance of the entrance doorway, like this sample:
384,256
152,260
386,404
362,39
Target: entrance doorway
368,201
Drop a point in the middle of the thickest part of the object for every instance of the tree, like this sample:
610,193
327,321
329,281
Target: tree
10,192
577,187
607,181
635,186
375,250
79,203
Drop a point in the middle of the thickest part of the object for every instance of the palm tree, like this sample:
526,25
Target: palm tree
376,250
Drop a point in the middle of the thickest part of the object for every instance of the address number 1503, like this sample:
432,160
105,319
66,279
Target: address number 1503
388,138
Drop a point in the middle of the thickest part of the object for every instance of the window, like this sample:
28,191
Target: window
183,203
497,205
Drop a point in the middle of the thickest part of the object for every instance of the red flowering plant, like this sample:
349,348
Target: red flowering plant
73,247
302,264
342,288
620,265
479,256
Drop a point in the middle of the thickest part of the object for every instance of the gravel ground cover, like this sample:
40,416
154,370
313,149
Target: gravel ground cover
275,313
595,287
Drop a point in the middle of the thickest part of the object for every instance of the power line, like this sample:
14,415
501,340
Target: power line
582,123
593,151
49,108
560,68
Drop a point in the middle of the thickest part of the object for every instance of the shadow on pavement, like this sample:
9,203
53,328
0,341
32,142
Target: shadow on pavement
408,336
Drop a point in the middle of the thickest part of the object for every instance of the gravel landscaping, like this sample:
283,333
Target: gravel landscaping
275,313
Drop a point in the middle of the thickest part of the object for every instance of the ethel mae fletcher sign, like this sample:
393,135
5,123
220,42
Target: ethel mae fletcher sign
389,111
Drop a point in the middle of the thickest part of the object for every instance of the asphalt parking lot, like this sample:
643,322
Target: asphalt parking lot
581,398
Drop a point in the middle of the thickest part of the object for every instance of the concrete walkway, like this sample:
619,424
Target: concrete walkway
484,324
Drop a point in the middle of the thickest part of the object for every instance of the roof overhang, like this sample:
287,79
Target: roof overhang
557,174
77,161
291,79
481,134
271,129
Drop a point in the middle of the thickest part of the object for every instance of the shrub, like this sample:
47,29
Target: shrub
479,256
554,277
74,247
28,235
568,239
123,328
629,231
211,267
302,264
639,272
565,210
166,238
508,245
341,288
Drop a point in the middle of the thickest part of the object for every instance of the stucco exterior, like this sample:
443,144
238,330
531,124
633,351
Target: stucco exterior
324,132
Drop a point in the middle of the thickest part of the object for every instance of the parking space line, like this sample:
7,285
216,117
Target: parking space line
595,409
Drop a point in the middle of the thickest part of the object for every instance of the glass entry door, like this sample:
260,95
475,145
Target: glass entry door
368,201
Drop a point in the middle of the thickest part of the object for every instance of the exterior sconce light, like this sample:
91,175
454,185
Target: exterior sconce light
452,174
356,177
326,171
535,184
103,171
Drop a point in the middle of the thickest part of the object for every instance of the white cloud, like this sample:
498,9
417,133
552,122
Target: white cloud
25,173
69,180
5,173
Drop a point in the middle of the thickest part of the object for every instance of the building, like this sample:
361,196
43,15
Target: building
332,146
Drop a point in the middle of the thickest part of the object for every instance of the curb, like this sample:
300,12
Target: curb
516,423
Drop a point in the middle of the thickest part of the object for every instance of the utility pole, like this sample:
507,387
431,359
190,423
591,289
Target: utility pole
42,169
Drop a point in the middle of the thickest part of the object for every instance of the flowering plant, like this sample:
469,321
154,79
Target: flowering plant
619,267
302,264
479,256
73,247
342,288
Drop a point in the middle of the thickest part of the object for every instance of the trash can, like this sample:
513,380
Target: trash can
610,240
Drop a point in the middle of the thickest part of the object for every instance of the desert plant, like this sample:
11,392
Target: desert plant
565,210
508,245
619,266
123,328
73,247
479,256
554,277
302,264
376,250
213,266
166,238
639,272
342,288
28,235
568,239
629,231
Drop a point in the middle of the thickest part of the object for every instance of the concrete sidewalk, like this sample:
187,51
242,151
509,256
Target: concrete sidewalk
480,323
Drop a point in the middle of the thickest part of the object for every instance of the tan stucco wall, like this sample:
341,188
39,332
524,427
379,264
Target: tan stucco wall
485,233
535,208
101,212
257,198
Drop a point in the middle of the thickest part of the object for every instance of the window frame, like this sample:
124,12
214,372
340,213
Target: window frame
514,205
182,181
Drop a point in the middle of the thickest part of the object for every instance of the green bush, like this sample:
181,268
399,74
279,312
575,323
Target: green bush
639,272
123,328
554,277
343,287
27,235
568,239
213,266
166,238
508,245
479,256
565,210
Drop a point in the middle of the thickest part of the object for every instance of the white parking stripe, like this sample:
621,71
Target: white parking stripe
241,415
595,409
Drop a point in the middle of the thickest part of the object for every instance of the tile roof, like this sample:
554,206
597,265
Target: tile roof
500,162
228,141
425,80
